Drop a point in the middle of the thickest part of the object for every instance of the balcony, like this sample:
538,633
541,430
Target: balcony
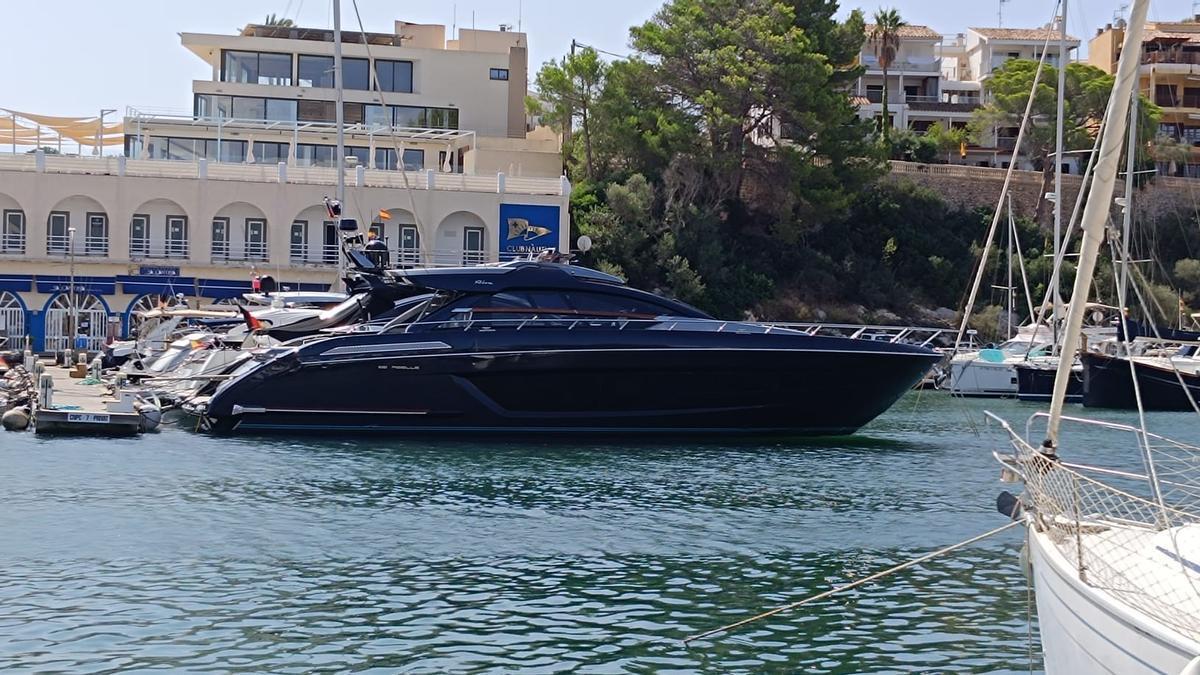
146,249
222,251
12,243
933,65
60,245
1171,57
314,254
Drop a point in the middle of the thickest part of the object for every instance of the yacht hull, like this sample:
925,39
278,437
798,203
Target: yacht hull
1108,383
982,379
1085,631
629,389
1036,383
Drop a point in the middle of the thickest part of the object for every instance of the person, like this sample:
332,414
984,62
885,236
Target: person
377,250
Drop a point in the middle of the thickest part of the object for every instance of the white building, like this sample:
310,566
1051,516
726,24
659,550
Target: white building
439,163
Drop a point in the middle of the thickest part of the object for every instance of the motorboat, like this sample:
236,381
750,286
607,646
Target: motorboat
1035,379
545,347
992,372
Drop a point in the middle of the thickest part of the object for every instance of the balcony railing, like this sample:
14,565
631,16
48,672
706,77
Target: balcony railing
12,243
141,248
249,252
933,65
1185,58
314,254
86,246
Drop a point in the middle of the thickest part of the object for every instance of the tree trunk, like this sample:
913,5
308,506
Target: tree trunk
1044,216
887,117
587,144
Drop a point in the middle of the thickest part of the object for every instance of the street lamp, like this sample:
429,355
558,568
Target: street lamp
99,149
71,295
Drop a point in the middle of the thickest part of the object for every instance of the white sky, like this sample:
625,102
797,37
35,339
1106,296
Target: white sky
73,57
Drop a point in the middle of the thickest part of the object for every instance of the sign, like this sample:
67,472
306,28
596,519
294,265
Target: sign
527,228
88,418
158,271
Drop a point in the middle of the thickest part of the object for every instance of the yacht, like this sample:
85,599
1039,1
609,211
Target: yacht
993,372
545,347
1165,382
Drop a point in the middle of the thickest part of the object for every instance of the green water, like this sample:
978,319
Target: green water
184,552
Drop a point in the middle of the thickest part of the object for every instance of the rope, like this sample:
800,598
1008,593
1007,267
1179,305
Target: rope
853,584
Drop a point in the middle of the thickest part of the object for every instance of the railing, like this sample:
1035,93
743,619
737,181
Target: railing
1183,58
277,173
931,66
320,254
85,246
12,243
250,252
921,98
144,247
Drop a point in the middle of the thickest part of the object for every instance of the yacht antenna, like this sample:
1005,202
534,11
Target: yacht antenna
341,130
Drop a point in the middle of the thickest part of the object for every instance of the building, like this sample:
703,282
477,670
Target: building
1169,75
440,163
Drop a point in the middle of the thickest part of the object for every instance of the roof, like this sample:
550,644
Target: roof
911,32
1021,34
1171,36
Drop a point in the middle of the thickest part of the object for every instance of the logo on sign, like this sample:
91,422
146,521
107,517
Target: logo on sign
158,271
528,228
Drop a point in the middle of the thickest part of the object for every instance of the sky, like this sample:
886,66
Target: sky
74,57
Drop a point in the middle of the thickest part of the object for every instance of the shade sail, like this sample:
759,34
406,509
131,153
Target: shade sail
22,128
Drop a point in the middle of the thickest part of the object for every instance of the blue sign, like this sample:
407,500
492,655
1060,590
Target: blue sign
158,271
527,228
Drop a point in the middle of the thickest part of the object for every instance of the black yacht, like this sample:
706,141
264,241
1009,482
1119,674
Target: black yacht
537,348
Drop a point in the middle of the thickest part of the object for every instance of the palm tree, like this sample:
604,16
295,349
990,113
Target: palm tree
885,37
273,21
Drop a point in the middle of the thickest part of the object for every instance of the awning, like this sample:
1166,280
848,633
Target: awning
32,129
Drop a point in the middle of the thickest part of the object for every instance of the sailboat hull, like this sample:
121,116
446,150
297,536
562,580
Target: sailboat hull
1086,631
1035,382
1108,383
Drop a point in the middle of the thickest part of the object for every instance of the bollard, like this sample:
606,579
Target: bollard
38,368
81,359
94,368
29,359
66,357
45,391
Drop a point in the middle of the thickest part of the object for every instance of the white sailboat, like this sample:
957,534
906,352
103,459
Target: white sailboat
1115,554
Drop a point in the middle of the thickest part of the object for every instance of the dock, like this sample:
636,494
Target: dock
78,408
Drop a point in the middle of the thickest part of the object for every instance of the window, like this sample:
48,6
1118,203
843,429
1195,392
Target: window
95,241
177,237
139,236
12,237
410,250
1191,97
220,238
414,159
249,108
1014,55
377,116
352,113
498,74
1164,95
394,75
270,153
314,155
409,116
222,151
316,111
604,304
473,251
315,71
213,106
356,74
443,118
58,232
875,93
299,241
181,149
256,68
256,239
281,110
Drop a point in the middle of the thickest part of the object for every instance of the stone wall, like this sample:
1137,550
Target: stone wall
971,187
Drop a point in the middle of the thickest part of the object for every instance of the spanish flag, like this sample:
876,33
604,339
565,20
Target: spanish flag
252,323
384,215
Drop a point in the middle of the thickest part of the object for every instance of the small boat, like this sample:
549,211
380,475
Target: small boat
1164,382
993,372
545,348
1035,380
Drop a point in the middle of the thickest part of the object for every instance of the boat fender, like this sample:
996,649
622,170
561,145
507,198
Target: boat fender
149,416
1026,563
1192,667
1009,504
16,419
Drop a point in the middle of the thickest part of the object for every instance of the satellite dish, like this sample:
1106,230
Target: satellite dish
584,243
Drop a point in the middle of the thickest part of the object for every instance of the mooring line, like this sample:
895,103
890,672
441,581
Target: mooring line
853,584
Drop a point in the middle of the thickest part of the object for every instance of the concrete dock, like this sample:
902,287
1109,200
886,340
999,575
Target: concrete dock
78,408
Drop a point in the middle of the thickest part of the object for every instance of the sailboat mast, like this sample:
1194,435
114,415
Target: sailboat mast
1096,212
1009,287
1126,221
1055,291
340,157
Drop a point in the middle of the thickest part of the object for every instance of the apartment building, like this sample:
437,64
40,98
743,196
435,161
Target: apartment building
440,163
1169,75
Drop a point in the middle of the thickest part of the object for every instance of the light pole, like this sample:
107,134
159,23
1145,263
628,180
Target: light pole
99,149
71,296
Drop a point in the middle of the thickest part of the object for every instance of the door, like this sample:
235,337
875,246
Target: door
256,239
329,252
410,247
473,246
12,239
57,232
96,240
12,322
220,239
139,236
61,316
298,248
177,237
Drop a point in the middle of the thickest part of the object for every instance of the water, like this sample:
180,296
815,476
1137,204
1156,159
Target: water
186,552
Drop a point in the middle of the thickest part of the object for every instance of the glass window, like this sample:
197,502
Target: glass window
270,153
385,158
181,149
314,155
352,113
394,75
604,304
315,71
498,74
139,235
249,108
240,67
316,111
414,159
377,116
360,154
226,151
177,236
299,240
275,69
256,239
214,106
409,116
356,74
281,110
12,239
